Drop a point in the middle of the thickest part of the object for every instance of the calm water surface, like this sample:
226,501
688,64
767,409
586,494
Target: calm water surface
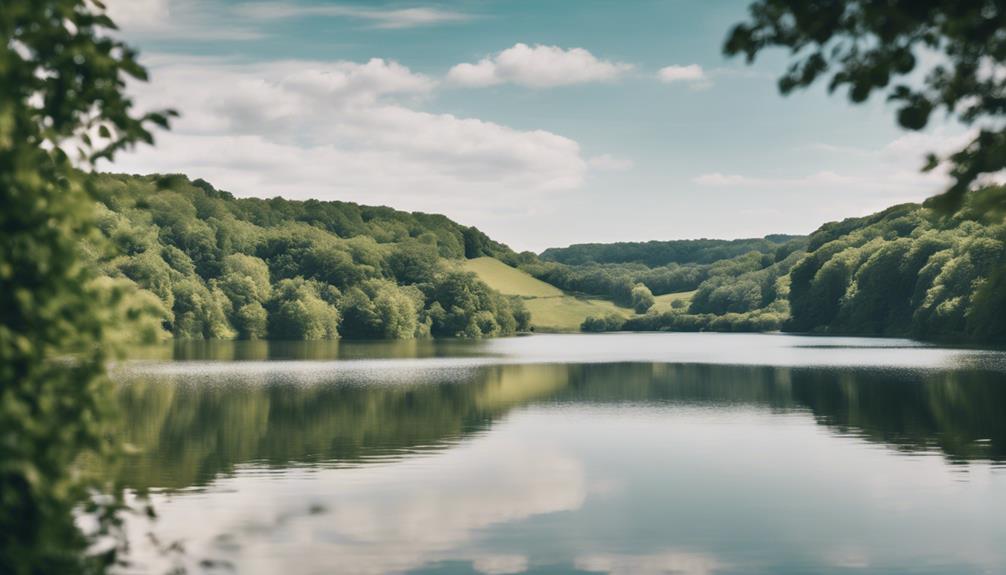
692,454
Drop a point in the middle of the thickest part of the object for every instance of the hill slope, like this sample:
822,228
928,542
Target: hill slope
551,309
206,264
509,280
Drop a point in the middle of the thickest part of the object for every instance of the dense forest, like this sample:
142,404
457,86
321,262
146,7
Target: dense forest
195,262
906,271
203,264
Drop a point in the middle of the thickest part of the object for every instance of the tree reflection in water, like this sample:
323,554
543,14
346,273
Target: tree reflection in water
191,427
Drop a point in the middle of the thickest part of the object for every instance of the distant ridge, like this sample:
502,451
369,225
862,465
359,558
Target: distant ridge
661,253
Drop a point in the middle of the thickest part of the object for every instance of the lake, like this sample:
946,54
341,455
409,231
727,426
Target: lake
692,454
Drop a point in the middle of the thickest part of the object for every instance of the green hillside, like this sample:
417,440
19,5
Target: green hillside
551,309
199,263
509,280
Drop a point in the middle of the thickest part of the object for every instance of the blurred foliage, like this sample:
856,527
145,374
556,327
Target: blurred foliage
877,45
213,266
62,102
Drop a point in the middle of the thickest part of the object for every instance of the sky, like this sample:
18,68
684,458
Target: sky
542,123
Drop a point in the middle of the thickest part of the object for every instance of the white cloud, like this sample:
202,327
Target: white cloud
677,562
343,130
139,13
693,75
387,19
482,73
177,19
607,162
204,21
500,564
537,66
689,73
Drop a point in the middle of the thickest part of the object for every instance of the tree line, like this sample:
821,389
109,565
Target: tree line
661,253
197,263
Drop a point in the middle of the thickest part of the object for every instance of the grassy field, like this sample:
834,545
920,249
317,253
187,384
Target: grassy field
551,309
566,313
508,280
665,301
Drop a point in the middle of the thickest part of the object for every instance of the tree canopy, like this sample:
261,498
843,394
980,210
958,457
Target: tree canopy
871,46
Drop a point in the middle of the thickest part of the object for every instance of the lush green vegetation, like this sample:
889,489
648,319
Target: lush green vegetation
201,264
210,266
906,271
551,309
744,293
692,262
509,280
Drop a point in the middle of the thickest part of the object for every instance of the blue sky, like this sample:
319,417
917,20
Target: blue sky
542,123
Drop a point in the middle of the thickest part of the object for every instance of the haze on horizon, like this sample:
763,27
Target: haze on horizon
543,125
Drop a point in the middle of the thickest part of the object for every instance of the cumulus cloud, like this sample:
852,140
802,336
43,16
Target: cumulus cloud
537,66
387,19
343,130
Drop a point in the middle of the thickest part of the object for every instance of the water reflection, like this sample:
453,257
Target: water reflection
192,427
435,463
220,350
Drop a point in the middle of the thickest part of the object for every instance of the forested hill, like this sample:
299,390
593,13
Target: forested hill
204,264
906,271
662,253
